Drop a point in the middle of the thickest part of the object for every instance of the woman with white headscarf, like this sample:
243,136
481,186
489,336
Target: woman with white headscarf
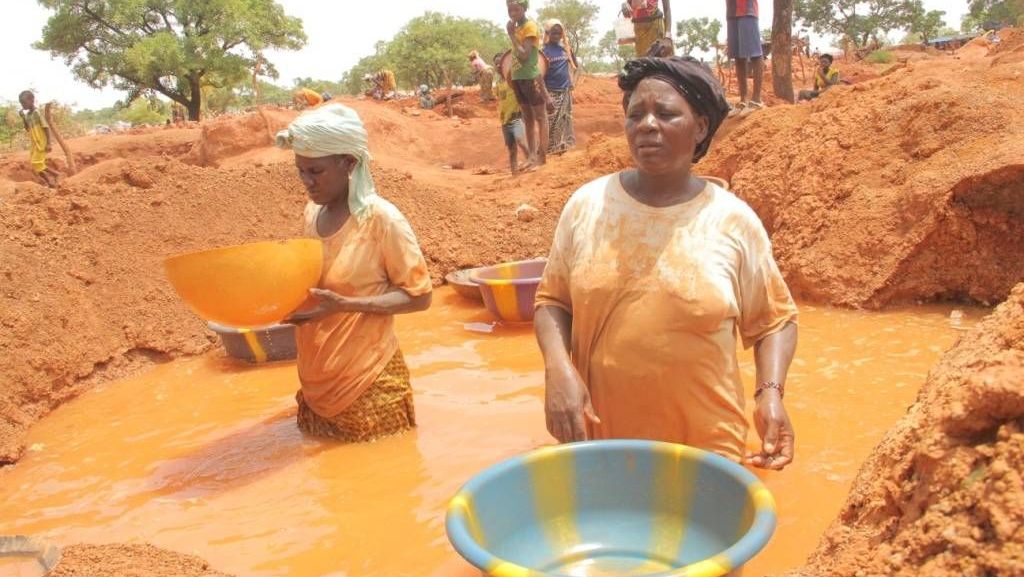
355,384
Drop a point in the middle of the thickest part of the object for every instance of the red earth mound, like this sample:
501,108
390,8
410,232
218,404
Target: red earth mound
905,188
129,561
943,494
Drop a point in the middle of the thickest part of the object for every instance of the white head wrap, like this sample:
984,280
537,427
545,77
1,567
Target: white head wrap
329,130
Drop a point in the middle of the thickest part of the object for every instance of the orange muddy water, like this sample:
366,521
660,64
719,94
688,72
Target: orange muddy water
202,455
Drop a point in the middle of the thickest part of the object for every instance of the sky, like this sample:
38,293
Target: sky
339,33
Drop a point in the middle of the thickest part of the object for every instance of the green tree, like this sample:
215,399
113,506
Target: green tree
431,49
927,25
988,14
612,52
173,47
145,111
857,20
10,123
578,17
915,38
697,34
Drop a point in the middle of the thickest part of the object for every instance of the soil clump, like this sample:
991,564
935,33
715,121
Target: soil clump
129,561
943,494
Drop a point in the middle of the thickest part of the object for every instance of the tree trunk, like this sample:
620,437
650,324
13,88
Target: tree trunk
195,102
668,18
782,50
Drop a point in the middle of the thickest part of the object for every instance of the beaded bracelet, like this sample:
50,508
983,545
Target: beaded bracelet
770,385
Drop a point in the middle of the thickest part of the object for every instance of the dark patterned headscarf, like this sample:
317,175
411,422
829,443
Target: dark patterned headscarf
691,78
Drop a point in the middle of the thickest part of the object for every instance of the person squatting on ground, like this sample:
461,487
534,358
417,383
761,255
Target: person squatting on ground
648,23
558,80
652,275
526,79
511,119
354,381
744,40
484,76
427,101
307,98
825,77
38,137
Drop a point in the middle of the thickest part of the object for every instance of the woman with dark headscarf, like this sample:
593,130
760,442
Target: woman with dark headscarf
653,273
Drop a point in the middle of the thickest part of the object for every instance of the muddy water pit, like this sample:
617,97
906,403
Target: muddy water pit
202,455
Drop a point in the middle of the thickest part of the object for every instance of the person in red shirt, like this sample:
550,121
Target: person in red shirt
744,38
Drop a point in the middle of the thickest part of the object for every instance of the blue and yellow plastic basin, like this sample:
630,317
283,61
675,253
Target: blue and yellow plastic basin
619,508
509,289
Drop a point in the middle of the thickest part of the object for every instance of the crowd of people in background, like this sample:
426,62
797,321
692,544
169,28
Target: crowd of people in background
532,83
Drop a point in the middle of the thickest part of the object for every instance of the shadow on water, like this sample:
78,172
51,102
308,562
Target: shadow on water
237,459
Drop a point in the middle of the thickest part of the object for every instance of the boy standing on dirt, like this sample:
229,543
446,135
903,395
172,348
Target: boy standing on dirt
526,79
511,119
39,138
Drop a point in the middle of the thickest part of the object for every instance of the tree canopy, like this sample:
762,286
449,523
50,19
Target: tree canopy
613,55
987,14
857,20
697,34
927,25
577,17
172,47
432,49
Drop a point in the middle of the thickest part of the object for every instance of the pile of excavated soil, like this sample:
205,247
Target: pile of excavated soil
129,561
908,187
943,494
174,142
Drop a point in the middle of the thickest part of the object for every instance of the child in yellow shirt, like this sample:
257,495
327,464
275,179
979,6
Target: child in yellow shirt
39,138
511,118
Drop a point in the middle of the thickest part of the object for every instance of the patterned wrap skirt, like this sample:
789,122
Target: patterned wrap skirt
384,409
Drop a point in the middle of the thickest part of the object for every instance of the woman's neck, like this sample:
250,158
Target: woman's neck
662,190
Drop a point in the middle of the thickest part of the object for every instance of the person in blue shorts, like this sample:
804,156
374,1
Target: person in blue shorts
744,40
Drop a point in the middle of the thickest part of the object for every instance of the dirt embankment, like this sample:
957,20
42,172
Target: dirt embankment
943,494
908,187
83,295
129,561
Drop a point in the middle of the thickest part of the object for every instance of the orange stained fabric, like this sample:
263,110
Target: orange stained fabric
341,355
657,297
311,97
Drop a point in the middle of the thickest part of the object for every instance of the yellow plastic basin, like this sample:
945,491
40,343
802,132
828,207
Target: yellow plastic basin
248,285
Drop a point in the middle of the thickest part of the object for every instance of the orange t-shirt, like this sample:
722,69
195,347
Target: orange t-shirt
341,355
311,97
657,297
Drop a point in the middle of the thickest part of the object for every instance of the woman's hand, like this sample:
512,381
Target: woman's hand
510,27
329,303
776,432
567,406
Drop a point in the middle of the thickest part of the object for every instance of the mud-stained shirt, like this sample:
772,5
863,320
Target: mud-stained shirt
341,355
658,297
